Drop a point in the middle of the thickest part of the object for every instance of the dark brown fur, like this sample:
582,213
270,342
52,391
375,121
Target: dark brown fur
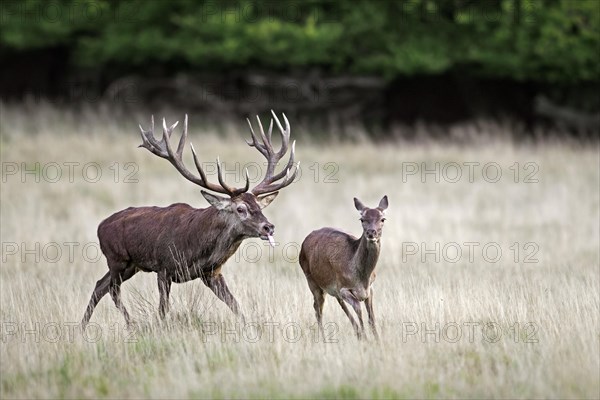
180,243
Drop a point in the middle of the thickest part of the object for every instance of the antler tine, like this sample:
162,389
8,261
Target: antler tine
230,189
177,160
270,130
289,179
285,133
197,163
247,186
289,165
167,131
268,184
255,143
164,150
149,141
183,138
266,142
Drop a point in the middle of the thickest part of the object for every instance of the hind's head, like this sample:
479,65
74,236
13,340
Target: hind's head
372,219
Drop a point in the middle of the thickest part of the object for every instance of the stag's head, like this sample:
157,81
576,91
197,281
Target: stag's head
246,210
242,206
372,219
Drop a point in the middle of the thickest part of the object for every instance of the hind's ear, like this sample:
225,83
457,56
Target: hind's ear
359,206
218,202
383,204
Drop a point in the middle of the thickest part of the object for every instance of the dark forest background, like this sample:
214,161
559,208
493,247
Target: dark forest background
533,65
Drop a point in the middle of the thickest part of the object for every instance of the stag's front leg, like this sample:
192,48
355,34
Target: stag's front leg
164,288
219,287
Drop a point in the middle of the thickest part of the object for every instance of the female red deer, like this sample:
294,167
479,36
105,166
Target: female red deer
181,243
343,266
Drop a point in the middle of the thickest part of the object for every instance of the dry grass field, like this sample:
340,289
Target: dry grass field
487,286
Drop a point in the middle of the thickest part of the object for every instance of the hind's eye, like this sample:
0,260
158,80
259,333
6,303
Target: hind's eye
362,220
382,219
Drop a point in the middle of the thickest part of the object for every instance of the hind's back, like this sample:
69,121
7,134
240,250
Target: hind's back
324,254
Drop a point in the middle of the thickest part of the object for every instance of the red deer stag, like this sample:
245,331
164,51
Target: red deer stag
343,266
181,243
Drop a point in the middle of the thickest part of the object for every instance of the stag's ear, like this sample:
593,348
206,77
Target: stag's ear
218,202
359,206
265,200
383,204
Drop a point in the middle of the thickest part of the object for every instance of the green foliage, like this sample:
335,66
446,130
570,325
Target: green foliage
32,24
538,40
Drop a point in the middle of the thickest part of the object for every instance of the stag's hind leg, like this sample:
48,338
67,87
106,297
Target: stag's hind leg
100,291
117,277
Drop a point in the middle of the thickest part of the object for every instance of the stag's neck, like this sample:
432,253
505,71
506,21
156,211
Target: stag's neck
219,230
365,258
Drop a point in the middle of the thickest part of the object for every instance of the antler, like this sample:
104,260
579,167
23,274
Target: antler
164,150
269,183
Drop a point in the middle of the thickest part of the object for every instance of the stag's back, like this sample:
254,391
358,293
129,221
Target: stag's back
143,234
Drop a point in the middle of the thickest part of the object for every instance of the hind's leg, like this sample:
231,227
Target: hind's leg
349,297
319,301
99,291
356,305
369,304
350,317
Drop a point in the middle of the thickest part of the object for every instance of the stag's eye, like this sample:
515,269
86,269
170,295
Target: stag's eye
362,220
240,209
382,219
